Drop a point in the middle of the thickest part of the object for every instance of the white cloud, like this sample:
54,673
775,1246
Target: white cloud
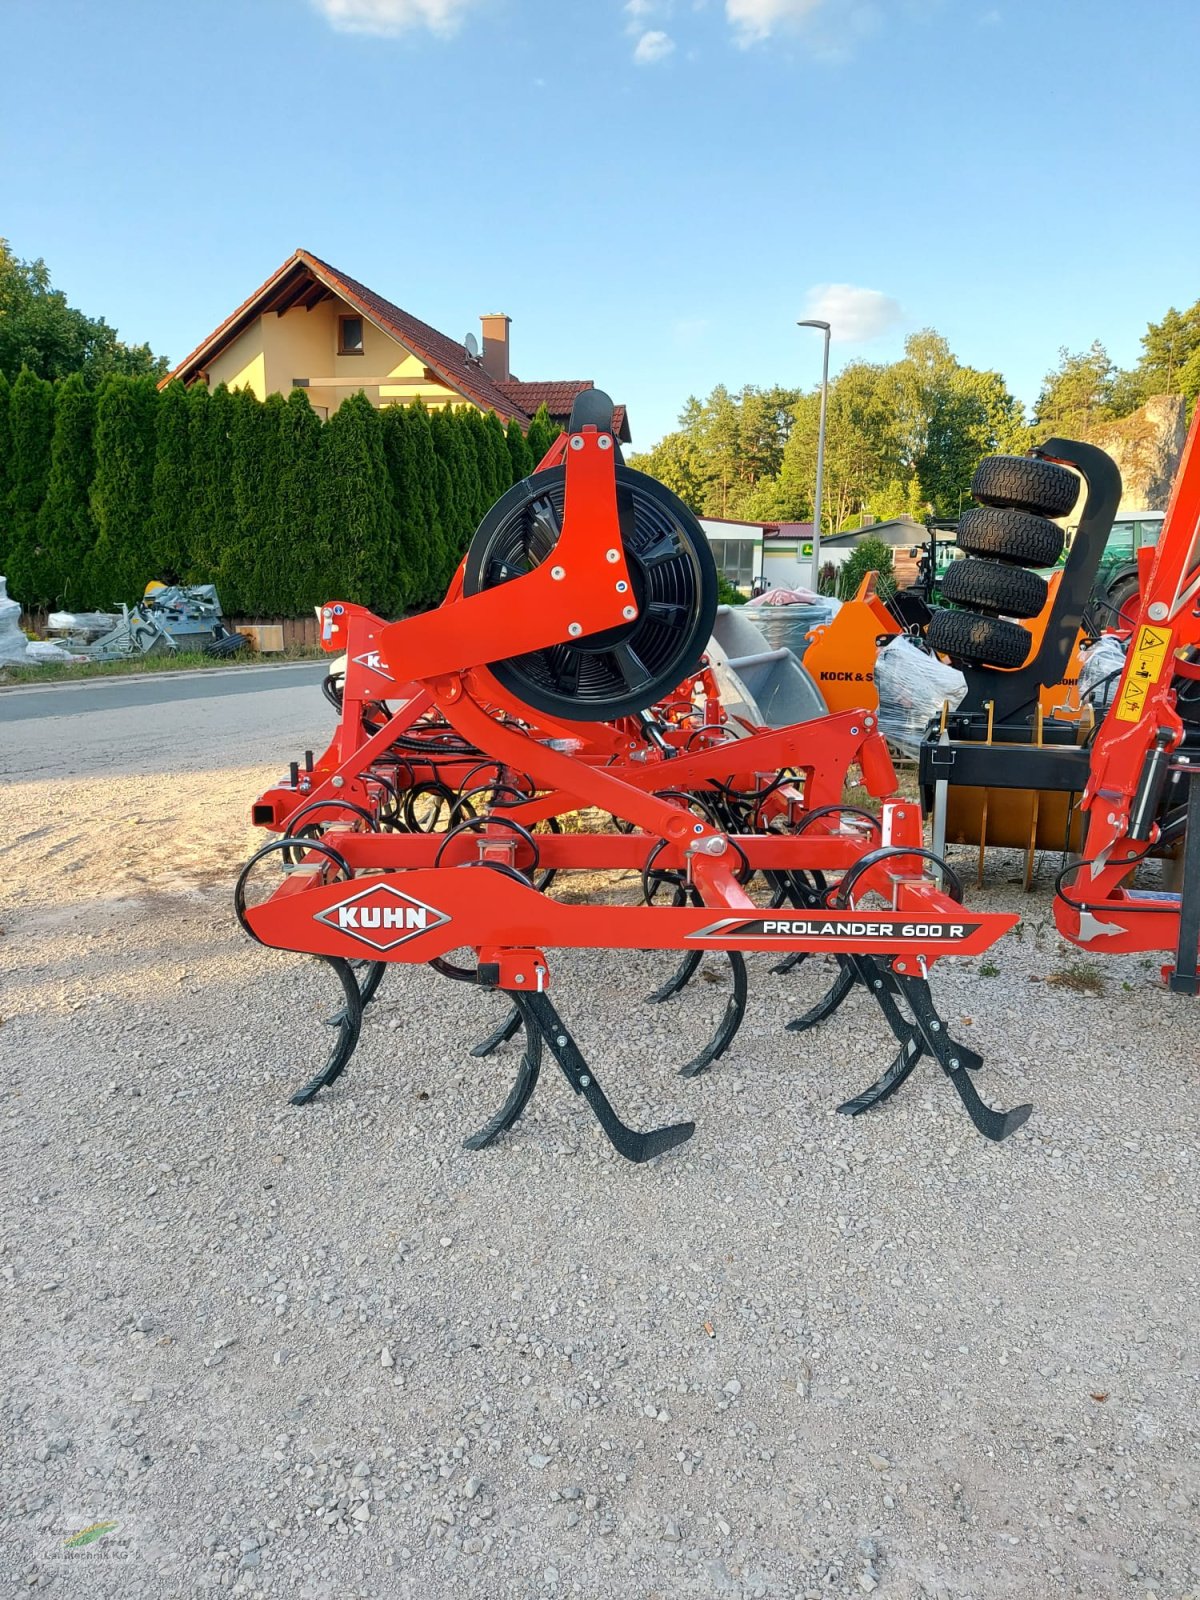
653,46
755,20
854,315
394,16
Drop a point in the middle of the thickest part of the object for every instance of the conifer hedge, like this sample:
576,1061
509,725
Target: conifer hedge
103,489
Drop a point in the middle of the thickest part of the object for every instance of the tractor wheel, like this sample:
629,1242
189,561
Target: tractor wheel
992,586
1008,535
1125,598
978,641
1025,484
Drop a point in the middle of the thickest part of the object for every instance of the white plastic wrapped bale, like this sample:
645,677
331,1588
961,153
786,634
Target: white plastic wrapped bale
1103,665
47,653
787,616
913,685
12,641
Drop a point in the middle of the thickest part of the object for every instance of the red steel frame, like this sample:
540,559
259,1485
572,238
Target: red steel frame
1139,742
440,659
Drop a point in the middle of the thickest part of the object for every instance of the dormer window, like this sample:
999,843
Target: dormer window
350,336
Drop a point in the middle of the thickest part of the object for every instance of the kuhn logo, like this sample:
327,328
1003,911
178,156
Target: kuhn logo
381,917
370,660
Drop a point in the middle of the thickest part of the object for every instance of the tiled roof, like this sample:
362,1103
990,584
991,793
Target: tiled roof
446,357
558,396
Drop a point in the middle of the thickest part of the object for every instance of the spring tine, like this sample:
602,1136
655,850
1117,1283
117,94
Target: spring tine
678,980
790,963
828,1004
348,1022
729,1024
909,1054
507,1030
523,1086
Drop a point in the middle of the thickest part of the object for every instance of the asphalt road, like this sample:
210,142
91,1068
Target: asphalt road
118,694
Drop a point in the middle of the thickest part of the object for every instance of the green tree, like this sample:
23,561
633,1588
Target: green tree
542,434
122,559
500,478
353,515
171,493
677,461
519,453
455,501
474,458
214,514
869,555
66,529
240,568
1076,395
432,479
297,581
413,469
1169,363
5,466
31,428
39,330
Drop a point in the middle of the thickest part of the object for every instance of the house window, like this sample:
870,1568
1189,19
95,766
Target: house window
350,336
735,560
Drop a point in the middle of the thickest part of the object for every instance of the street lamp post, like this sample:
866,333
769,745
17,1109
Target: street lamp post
813,323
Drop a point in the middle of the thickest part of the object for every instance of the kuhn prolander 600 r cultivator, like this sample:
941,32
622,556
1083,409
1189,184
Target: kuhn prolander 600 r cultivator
565,674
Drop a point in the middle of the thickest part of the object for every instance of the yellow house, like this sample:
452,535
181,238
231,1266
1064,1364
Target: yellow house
312,327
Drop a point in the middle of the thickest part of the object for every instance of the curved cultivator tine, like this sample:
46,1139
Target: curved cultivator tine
524,1083
678,980
348,1022
731,1017
829,1002
507,1030
731,1020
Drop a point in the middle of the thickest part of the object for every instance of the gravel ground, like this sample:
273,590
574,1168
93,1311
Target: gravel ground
327,1352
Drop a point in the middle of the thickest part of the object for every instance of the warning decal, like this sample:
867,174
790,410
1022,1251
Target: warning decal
1147,658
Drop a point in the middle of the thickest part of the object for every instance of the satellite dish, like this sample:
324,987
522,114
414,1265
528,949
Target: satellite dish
472,347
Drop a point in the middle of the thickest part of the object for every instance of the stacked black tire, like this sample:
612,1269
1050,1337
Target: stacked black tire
1007,534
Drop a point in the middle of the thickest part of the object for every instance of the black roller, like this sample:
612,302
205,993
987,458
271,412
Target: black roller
674,580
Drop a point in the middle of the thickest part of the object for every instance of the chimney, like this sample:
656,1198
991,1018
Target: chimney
495,345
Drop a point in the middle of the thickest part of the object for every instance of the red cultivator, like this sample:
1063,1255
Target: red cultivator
565,674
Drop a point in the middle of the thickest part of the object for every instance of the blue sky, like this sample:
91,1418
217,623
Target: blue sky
653,190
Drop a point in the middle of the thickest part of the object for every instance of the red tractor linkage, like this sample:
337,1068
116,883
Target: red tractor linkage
565,673
1142,795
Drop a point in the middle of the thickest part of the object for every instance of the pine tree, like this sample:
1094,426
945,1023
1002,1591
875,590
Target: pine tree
31,424
214,514
502,471
267,551
410,497
170,517
519,452
353,501
300,578
5,461
66,529
122,562
453,501
542,434
472,453
239,558
432,479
